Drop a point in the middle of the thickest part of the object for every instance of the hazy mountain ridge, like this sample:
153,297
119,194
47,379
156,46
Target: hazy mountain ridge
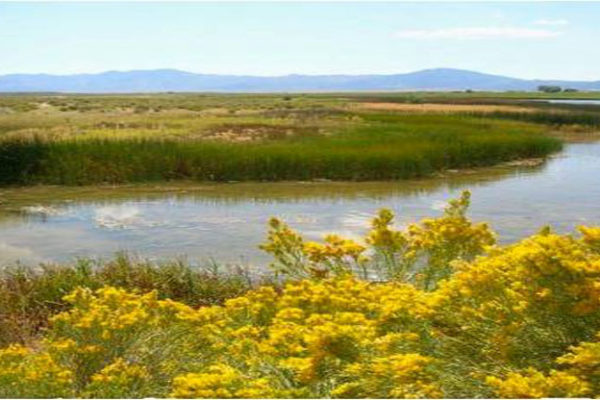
163,80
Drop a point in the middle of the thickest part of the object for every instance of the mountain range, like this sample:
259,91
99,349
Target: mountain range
170,80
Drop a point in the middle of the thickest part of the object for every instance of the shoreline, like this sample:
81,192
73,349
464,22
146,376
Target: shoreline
13,198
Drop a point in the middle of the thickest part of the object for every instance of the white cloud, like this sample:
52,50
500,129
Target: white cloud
551,22
478,33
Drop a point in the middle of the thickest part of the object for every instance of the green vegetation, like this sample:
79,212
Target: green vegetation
550,89
555,89
77,140
29,296
585,119
385,150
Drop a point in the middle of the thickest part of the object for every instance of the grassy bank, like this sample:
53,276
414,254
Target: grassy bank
432,310
379,146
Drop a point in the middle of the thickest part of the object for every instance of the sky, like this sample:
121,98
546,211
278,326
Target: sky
553,40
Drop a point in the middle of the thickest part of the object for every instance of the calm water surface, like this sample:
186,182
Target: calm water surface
567,101
226,222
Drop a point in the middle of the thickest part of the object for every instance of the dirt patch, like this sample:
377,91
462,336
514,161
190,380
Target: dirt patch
304,113
216,111
251,132
116,125
443,108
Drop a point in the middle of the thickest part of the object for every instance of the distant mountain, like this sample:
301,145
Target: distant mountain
170,80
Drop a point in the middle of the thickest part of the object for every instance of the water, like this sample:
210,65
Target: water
227,222
575,102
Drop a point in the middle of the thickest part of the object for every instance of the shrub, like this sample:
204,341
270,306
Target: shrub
28,296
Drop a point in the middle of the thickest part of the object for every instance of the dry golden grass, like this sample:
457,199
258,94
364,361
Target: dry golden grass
441,108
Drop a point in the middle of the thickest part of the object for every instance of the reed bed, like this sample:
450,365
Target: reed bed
381,146
587,119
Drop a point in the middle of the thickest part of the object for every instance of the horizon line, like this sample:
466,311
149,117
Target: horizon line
291,74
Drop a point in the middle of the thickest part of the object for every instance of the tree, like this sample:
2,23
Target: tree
549,89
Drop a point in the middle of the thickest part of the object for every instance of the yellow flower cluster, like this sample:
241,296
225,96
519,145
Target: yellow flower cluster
580,376
319,336
533,384
455,317
337,253
397,376
420,254
85,349
591,236
220,381
25,373
118,379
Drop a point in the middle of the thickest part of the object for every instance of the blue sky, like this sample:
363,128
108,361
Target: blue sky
528,40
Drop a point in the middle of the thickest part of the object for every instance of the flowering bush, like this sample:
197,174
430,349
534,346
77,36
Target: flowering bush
435,310
421,254
25,373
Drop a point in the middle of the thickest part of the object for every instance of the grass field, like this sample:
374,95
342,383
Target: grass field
78,139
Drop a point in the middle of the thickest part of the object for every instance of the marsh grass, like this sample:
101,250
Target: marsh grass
28,295
583,118
377,146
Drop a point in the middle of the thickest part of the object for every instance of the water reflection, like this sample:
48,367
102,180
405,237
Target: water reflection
573,101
